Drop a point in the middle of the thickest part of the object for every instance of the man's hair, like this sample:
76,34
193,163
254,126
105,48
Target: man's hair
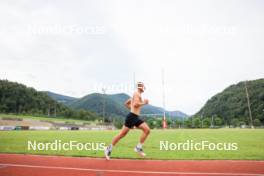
140,84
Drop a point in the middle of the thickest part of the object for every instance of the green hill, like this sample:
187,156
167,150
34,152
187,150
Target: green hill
94,102
19,99
114,105
61,98
231,104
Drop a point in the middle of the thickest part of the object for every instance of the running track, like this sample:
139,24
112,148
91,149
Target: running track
35,165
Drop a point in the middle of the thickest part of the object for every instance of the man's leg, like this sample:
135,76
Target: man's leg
122,134
145,132
115,140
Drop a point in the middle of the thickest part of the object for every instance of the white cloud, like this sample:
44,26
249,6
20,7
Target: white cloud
203,46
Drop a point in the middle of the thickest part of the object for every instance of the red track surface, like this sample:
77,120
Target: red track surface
35,165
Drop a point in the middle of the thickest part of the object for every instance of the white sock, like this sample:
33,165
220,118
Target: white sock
110,147
139,145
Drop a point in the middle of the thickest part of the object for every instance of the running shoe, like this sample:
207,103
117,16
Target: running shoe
139,151
107,152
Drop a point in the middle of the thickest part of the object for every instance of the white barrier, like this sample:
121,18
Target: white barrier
7,128
65,128
39,128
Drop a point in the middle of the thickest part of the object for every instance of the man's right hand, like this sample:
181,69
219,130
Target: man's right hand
146,101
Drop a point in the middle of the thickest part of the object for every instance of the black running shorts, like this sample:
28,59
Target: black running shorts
133,120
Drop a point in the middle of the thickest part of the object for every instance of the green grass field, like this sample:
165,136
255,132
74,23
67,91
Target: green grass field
250,143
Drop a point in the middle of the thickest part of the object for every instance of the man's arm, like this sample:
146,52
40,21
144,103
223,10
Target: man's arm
137,101
128,103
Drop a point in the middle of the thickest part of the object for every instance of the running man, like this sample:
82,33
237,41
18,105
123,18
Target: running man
134,104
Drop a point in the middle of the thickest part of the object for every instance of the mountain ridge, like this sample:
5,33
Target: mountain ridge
114,105
231,103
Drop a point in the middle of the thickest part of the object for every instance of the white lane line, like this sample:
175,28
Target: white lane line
118,159
3,166
128,171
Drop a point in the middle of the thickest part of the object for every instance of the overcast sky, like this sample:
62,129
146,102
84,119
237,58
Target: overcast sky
77,47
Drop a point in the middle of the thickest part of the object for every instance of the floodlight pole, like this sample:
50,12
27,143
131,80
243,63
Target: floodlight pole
212,121
164,122
49,111
104,90
249,108
134,80
55,110
202,118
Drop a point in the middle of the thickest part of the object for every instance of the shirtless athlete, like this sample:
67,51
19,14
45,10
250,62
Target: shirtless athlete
134,104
